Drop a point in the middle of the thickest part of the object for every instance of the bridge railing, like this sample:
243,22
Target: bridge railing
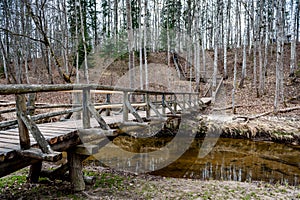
168,100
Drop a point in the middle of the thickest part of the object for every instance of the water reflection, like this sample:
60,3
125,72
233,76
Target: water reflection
230,159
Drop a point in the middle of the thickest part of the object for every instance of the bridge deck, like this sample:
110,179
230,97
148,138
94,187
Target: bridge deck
58,134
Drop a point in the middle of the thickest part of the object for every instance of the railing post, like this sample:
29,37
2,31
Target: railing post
23,131
125,108
85,110
190,100
147,106
163,104
175,103
184,102
107,111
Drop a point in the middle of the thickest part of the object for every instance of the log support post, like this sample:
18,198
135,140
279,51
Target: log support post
107,111
147,106
163,103
23,131
125,108
175,103
85,109
75,170
184,102
34,173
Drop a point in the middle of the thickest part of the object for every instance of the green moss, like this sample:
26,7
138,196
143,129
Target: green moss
109,180
12,180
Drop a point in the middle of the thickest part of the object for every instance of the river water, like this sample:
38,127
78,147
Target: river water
224,159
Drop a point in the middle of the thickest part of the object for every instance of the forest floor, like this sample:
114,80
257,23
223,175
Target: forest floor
112,184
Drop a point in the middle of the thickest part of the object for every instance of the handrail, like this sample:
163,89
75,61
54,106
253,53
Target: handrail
26,88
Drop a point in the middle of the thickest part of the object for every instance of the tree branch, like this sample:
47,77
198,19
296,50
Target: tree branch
247,118
22,35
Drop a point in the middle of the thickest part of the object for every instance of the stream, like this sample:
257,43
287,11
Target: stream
225,159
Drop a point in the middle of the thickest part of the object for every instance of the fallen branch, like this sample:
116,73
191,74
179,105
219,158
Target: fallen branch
238,106
293,99
247,118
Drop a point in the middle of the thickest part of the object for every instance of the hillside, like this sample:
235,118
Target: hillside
114,71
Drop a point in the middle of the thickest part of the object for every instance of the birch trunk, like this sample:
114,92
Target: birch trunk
141,45
279,38
145,43
244,67
130,44
225,40
293,39
235,60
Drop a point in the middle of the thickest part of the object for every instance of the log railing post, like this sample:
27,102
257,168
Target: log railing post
175,103
147,106
85,109
190,100
125,108
184,102
163,103
23,131
107,111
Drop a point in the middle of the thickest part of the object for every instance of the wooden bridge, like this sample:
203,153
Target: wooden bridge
24,142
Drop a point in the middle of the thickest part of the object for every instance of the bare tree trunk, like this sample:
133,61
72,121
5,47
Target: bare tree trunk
116,22
130,43
244,67
235,61
254,26
266,53
86,69
66,37
261,65
225,38
293,38
141,44
49,63
145,43
216,43
279,37
4,58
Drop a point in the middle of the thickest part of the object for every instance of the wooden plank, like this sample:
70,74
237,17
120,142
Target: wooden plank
53,131
15,137
10,141
9,146
46,134
63,127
